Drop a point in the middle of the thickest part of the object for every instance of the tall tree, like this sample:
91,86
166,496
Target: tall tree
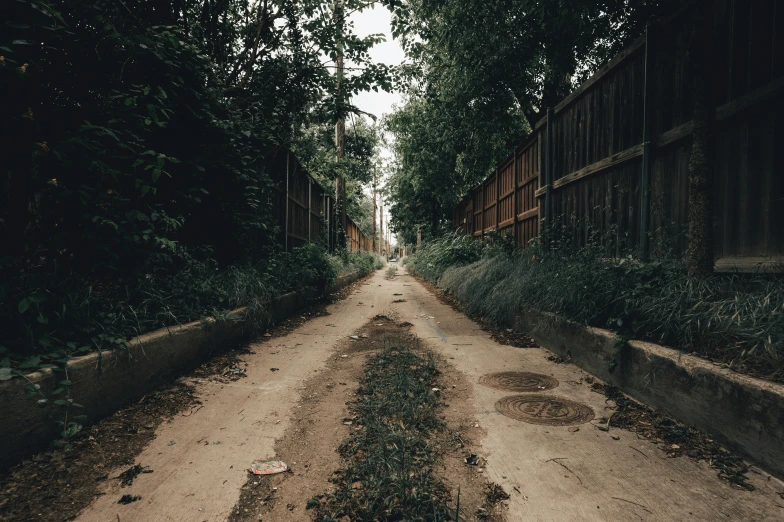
481,73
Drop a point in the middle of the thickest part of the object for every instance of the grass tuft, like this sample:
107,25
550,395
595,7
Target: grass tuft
737,319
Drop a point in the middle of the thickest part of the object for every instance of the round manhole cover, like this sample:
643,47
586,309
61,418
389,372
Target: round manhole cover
541,409
519,381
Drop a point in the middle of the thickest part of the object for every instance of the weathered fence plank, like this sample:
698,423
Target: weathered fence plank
614,154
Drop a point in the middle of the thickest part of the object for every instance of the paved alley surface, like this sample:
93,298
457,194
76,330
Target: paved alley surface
551,472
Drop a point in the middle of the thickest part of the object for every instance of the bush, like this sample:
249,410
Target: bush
434,257
76,315
737,319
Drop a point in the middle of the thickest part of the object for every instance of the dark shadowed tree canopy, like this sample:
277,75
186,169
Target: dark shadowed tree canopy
481,73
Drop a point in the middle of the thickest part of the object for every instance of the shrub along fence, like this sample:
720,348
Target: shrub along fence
614,154
303,210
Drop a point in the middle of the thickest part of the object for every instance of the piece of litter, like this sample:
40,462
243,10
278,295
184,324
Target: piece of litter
344,356
435,389
271,467
476,425
615,437
267,334
472,459
574,429
354,337
274,369
187,413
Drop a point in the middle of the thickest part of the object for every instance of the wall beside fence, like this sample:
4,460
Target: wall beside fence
619,146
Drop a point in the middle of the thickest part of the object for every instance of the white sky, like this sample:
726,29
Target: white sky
376,20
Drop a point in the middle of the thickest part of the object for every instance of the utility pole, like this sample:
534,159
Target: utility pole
374,210
340,129
381,230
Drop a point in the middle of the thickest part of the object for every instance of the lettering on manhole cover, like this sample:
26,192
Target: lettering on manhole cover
519,381
544,410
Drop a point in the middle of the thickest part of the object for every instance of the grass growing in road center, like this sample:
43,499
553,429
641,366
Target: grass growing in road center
388,471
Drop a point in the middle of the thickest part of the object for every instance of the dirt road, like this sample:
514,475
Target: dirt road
550,472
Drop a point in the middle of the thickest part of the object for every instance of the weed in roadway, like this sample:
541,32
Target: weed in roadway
389,458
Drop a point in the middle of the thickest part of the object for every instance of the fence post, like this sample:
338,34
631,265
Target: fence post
514,199
286,231
310,215
548,175
497,201
645,183
482,207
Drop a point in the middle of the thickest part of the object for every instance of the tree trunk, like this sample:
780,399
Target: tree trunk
699,255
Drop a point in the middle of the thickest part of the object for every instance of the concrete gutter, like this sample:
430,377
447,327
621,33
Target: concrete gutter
105,382
741,412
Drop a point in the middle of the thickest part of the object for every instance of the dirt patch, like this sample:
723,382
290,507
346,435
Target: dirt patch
56,485
321,421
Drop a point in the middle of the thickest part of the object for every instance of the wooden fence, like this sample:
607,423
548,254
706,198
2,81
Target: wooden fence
303,210
619,146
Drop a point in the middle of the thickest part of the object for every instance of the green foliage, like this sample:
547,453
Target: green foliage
481,74
738,319
357,261
434,257
137,141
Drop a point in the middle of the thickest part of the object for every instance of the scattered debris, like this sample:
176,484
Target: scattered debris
557,459
672,438
127,477
472,459
271,467
495,493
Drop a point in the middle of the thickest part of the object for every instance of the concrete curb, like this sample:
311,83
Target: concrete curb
105,382
742,412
